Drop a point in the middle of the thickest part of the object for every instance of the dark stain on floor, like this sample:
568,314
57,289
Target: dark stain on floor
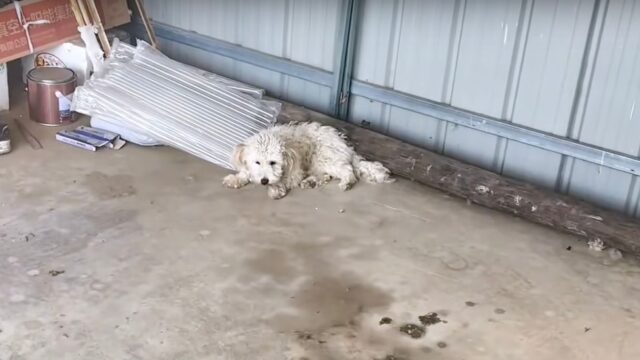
330,301
107,187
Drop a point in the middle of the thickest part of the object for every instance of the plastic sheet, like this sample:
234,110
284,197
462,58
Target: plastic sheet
174,103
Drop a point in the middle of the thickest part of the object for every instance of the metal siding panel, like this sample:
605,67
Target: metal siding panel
368,113
424,48
300,30
604,186
485,57
375,42
313,32
613,108
414,128
531,164
551,66
313,96
472,146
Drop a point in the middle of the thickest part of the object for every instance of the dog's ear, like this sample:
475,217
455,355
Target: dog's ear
238,156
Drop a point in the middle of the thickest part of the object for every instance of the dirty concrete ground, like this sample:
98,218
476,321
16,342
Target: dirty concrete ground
142,254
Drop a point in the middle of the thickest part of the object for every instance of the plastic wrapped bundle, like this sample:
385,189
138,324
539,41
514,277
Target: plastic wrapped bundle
123,53
175,104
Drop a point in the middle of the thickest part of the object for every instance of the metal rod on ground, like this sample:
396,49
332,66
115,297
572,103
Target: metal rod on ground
97,22
27,135
147,24
483,187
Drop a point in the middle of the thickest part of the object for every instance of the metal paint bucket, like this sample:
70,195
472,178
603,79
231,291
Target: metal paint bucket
50,90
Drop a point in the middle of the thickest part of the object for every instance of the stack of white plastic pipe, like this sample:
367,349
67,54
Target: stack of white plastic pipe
175,104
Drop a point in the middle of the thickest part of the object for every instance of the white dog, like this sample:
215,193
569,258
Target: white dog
303,155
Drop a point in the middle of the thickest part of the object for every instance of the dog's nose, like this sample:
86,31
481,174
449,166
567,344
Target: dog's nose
264,181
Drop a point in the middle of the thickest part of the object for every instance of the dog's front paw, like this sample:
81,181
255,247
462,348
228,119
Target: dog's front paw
344,186
233,181
277,192
309,183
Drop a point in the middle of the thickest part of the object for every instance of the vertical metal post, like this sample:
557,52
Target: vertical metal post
345,55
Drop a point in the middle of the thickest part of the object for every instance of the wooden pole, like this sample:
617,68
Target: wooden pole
147,24
84,11
77,12
97,22
483,187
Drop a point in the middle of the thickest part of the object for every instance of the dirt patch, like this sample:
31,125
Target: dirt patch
470,303
107,187
413,330
331,301
430,319
56,272
385,320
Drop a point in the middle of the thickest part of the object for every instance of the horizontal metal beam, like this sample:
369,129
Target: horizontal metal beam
237,52
545,141
498,127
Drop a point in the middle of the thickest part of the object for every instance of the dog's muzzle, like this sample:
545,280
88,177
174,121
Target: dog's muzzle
264,181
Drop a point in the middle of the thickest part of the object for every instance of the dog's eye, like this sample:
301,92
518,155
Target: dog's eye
258,162
272,163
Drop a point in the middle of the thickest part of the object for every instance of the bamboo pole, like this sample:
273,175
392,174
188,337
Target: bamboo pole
147,24
97,22
77,12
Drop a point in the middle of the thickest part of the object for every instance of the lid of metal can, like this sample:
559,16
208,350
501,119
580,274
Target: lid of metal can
51,75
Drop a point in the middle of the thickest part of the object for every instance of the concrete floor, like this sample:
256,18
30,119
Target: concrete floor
161,262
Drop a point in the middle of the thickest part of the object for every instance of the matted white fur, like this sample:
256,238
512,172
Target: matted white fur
303,155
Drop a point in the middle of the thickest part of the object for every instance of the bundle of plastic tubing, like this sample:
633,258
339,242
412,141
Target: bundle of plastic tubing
123,53
174,103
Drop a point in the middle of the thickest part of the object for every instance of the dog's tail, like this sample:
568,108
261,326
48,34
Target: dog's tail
371,171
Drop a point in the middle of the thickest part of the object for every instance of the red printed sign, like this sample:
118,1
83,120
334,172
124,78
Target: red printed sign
62,27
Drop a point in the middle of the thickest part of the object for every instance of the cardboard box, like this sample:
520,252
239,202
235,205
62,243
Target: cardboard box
63,26
91,139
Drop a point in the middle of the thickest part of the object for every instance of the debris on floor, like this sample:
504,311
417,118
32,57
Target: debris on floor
385,320
596,244
413,330
615,254
34,272
145,91
56,272
429,319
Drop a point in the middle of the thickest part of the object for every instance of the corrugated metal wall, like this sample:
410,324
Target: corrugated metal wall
302,31
567,67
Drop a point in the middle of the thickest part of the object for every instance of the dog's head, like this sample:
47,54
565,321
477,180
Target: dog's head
265,157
